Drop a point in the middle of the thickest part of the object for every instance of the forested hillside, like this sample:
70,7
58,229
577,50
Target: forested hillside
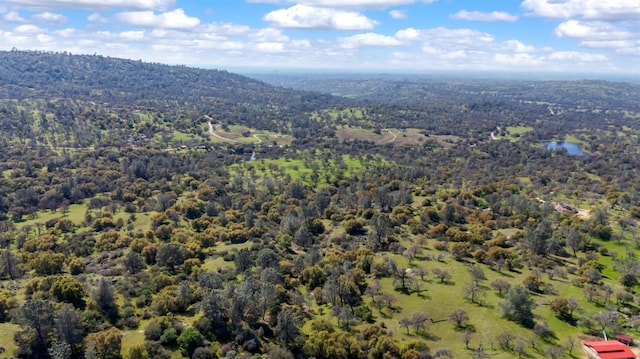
153,211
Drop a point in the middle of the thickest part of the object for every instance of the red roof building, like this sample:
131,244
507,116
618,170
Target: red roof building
608,349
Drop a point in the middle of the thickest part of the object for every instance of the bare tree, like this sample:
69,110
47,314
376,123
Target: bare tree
591,291
412,252
388,299
479,353
554,352
419,320
466,338
441,274
458,316
405,322
519,346
473,292
504,339
402,275
500,285
477,274
569,344
373,289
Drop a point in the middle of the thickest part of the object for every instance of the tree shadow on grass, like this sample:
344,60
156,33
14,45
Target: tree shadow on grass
466,328
504,274
428,336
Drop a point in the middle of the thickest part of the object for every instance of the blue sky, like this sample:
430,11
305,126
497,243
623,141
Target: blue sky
407,36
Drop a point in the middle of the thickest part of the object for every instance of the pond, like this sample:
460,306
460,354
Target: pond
572,149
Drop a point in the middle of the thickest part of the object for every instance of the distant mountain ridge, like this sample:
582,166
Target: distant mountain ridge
32,74
61,93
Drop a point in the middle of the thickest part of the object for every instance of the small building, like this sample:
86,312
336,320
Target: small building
608,349
624,339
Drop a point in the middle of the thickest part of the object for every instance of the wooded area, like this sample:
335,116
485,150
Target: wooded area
164,212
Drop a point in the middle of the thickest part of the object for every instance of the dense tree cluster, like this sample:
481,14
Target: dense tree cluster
208,254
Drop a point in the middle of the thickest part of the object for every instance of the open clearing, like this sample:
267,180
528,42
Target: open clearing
245,135
399,137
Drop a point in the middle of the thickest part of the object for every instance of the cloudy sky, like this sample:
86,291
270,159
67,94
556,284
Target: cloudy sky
586,36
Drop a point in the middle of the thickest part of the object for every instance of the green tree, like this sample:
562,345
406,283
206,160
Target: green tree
10,265
69,290
48,263
189,340
68,327
243,260
287,326
518,305
133,262
37,324
137,352
108,343
59,350
170,255
354,227
105,299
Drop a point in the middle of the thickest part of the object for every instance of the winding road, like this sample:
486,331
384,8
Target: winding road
395,135
493,134
214,134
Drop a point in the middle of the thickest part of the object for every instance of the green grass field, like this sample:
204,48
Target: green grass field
75,213
7,330
247,135
513,133
316,170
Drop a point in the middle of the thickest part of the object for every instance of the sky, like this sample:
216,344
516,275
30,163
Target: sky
394,36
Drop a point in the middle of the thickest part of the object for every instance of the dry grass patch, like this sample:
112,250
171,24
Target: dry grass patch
400,137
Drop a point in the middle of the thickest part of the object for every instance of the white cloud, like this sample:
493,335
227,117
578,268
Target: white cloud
175,19
357,3
224,29
599,35
448,39
157,37
517,46
408,34
68,32
308,17
398,14
590,30
43,38
607,44
368,40
270,47
132,35
94,4
633,50
483,16
587,9
27,29
269,35
50,17
376,4
456,55
577,57
95,17
522,61
13,16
